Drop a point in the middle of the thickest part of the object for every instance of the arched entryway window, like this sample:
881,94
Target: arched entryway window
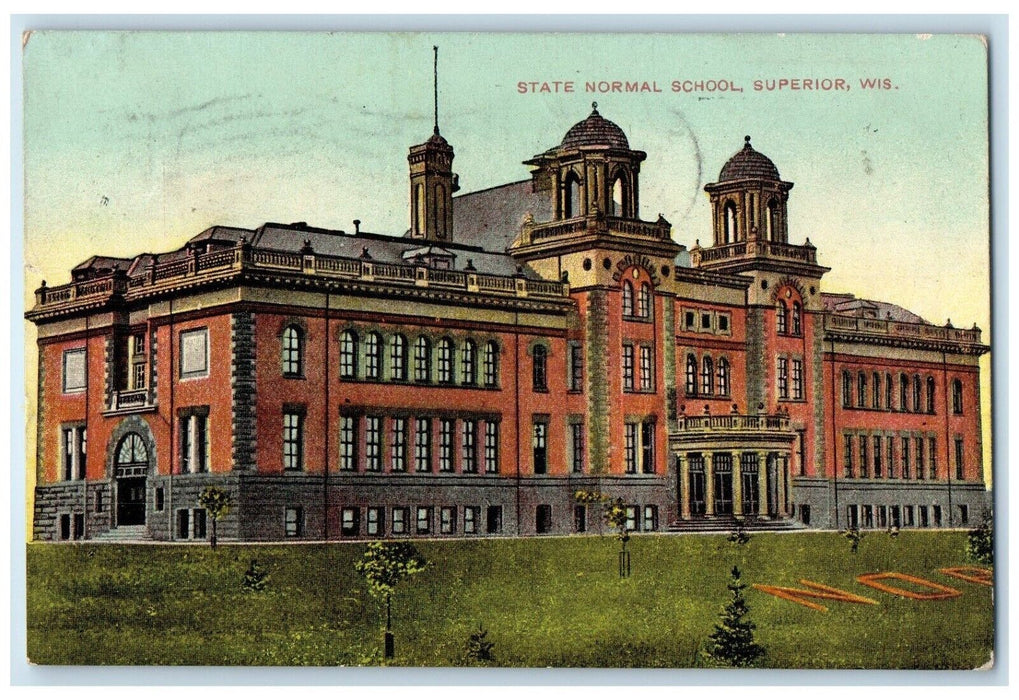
571,197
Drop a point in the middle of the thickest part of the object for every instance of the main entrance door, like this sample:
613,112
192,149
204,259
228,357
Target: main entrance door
697,504
131,501
723,493
131,467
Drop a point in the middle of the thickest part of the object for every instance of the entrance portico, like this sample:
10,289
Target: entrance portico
732,466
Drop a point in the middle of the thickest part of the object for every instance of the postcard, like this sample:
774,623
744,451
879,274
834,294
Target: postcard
508,350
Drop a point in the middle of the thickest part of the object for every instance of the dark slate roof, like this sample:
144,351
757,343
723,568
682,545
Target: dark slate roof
748,164
596,130
849,305
103,262
492,218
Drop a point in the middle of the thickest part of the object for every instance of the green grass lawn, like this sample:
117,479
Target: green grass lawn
544,602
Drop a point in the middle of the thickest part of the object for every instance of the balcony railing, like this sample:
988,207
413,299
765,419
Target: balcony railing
532,232
243,259
757,249
880,327
131,400
732,422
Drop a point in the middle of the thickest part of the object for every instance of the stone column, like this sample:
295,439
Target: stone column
780,462
709,484
762,484
684,487
737,485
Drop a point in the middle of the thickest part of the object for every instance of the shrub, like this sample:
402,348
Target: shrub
980,545
256,578
479,649
739,535
854,536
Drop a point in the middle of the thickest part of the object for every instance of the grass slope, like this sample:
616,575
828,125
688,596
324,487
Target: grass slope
545,602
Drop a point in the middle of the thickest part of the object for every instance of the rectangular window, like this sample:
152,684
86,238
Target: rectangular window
647,447
399,521
577,447
446,427
348,443
963,514
423,445
469,446
632,523
906,464
293,441
471,516
539,446
78,530
376,521
373,443
783,378
924,519
895,516
650,518
445,362
65,526
350,522
798,380
876,395
690,320
194,353
138,378
293,521
160,498
199,516
543,518
372,354
646,369
447,520
936,515
921,466
878,455
491,447
868,516
959,462
491,364
801,451
398,454
73,453
847,390
891,457
493,520
627,368
99,502
74,370
847,457
864,461
705,321
183,524
424,520
580,518
630,451
932,455
723,323
907,516
576,367
882,516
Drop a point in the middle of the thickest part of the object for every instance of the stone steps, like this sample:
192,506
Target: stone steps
727,523
125,533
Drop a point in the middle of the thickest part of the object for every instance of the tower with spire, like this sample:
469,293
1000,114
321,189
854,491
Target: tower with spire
432,180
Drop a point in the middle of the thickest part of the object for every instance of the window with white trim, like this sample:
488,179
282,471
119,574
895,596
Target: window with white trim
423,445
348,443
491,364
348,355
398,453
293,440
194,353
446,428
491,447
292,342
646,369
469,363
422,359
373,356
469,446
373,443
398,358
375,522
445,361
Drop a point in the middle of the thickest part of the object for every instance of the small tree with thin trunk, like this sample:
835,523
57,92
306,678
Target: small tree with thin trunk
614,515
217,503
384,565
732,642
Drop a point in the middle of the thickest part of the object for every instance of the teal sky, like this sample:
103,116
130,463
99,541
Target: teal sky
136,141
179,131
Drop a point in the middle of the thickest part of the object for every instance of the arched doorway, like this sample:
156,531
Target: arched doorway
131,465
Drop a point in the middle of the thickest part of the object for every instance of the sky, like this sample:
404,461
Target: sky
136,141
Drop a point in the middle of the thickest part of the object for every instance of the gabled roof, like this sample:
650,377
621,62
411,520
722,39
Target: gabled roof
849,305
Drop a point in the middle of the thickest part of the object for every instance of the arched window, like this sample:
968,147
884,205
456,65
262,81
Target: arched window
627,298
644,305
440,210
422,359
571,196
876,395
917,394
903,392
930,394
373,356
131,452
729,230
469,363
889,391
691,375
707,376
398,358
956,396
292,351
617,200
491,363
348,355
861,390
445,361
781,318
797,319
419,209
723,377
847,389
771,220
539,368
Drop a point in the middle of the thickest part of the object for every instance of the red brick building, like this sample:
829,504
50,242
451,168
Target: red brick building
514,346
